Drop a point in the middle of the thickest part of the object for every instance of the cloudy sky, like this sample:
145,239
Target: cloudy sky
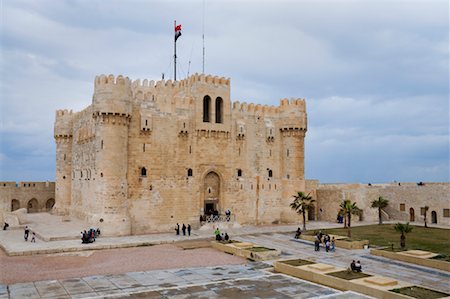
375,73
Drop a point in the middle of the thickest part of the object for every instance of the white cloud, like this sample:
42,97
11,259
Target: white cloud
375,74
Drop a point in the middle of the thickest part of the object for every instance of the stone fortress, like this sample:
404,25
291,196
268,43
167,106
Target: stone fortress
144,156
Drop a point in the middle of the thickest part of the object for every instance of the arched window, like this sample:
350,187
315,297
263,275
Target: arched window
219,110
189,172
143,172
270,173
239,172
206,108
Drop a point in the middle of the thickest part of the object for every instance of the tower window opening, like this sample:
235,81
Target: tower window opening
101,145
287,153
190,172
270,173
270,153
219,110
143,147
206,108
143,172
190,149
64,157
239,151
81,173
239,172
146,122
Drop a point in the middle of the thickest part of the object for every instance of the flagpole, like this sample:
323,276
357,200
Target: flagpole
175,53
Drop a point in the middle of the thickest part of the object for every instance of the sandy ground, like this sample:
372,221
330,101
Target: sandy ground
114,261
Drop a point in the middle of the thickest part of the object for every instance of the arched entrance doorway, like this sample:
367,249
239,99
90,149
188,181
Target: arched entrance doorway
211,193
412,217
49,204
15,205
312,213
32,206
433,217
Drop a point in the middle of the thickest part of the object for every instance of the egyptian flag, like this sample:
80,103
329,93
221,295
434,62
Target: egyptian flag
177,31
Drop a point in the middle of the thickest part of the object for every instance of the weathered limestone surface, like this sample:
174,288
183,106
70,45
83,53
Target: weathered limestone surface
146,155
411,195
33,196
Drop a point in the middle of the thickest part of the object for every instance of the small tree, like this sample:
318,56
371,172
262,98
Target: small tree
301,204
425,211
349,208
403,229
380,203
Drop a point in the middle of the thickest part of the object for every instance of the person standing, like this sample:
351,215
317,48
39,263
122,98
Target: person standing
333,245
189,230
33,237
177,229
183,228
26,232
217,234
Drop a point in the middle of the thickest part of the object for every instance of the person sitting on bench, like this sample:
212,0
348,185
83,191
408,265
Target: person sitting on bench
358,267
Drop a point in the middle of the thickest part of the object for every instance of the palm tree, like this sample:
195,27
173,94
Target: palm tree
380,203
301,204
425,211
403,229
349,208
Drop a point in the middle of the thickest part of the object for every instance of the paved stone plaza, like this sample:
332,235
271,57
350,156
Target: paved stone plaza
237,281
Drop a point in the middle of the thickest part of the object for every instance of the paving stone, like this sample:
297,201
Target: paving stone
123,281
99,283
76,286
23,290
50,288
144,278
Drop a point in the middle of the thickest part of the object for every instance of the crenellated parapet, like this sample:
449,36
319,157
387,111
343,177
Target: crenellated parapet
169,95
112,96
63,129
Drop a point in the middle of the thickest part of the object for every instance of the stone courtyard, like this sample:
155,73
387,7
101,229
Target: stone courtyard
168,266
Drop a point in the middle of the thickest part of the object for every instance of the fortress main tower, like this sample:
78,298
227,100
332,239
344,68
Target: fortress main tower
146,155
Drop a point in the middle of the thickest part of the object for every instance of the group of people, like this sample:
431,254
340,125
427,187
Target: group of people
327,241
184,228
26,234
221,236
90,235
356,266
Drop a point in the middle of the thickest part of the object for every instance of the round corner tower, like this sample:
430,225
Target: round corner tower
63,138
111,111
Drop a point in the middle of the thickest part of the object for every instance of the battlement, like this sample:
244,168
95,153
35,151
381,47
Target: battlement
286,105
110,80
63,112
26,185
63,123
189,81
293,104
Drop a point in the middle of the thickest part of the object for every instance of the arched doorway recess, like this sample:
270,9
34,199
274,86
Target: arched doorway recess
33,206
412,217
434,217
211,191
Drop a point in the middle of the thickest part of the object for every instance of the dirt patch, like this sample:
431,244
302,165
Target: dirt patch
17,269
